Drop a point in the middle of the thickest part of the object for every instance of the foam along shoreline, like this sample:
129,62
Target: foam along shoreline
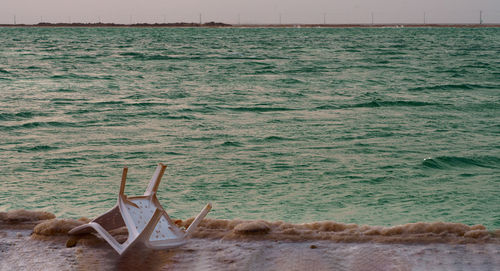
37,239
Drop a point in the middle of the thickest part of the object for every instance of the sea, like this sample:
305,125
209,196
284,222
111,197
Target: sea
372,126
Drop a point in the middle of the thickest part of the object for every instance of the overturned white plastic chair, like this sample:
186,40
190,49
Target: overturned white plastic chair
144,218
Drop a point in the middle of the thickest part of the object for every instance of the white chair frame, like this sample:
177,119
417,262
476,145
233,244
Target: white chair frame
145,219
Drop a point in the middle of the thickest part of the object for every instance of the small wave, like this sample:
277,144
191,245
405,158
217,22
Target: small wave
67,162
141,56
327,107
177,94
37,124
490,105
307,70
449,162
259,64
158,57
290,81
376,103
64,90
16,116
147,104
86,57
275,138
64,101
258,109
181,117
134,54
231,144
385,61
109,103
172,153
268,70
137,155
25,114
281,166
453,87
4,71
81,76
242,57
36,148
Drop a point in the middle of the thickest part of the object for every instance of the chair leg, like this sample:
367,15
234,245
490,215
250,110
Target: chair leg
124,180
110,239
198,219
155,180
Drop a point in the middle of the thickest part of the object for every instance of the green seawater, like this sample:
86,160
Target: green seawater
367,126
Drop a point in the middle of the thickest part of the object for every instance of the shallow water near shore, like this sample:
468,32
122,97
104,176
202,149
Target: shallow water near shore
367,126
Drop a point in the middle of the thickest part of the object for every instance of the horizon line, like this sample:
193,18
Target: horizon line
273,25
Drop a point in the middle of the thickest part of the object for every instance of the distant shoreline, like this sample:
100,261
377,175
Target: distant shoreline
223,25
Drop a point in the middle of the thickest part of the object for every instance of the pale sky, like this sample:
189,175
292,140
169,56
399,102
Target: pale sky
250,11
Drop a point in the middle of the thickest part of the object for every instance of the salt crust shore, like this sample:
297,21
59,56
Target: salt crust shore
38,241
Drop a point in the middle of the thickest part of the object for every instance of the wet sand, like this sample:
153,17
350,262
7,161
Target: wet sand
20,252
250,245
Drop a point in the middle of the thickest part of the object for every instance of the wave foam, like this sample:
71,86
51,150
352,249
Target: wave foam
421,232
22,216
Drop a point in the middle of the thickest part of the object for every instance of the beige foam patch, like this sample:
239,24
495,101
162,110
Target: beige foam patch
18,216
435,232
56,227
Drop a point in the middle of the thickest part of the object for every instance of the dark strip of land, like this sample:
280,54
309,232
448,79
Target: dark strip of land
217,24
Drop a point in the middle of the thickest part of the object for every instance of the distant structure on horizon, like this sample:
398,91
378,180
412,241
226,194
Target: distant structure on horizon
279,18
